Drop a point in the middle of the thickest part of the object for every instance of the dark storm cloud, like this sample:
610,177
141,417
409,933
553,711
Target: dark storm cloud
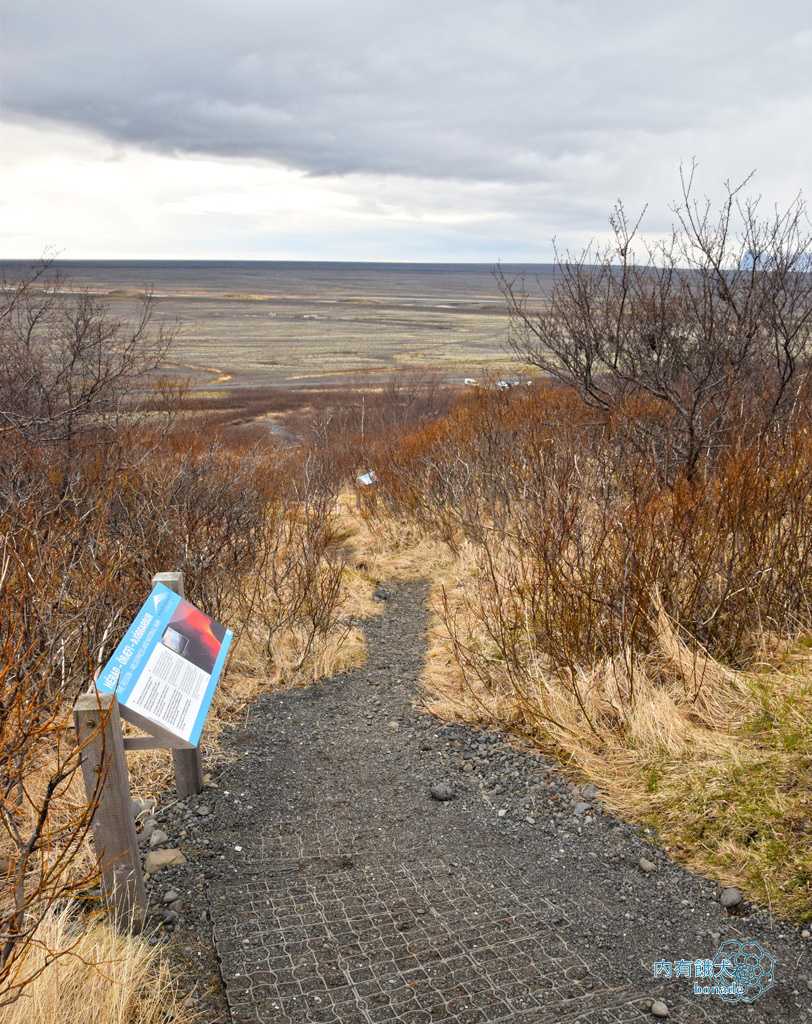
500,91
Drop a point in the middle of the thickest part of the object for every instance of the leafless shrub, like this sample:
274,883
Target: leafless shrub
582,547
66,365
693,337
42,829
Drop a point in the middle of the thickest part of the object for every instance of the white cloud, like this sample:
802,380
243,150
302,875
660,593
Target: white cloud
466,129
92,199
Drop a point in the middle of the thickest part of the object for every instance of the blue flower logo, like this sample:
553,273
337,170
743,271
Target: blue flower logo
745,969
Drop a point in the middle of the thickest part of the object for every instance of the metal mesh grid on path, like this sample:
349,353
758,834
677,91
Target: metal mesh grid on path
403,942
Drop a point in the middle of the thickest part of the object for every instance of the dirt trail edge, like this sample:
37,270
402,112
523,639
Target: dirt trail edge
341,891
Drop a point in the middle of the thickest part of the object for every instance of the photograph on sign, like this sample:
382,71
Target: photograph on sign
165,670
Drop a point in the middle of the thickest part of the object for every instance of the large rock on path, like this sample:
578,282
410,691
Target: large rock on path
157,860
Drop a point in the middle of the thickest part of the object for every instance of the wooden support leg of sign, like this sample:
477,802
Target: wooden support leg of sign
188,764
107,784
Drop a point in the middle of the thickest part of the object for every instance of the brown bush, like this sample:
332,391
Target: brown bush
84,527
582,545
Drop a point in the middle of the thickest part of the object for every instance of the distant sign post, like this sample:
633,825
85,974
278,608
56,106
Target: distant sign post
365,484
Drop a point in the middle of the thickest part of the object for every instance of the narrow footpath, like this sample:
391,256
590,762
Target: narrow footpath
342,891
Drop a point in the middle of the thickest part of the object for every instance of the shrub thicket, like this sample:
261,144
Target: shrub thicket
582,546
696,338
98,493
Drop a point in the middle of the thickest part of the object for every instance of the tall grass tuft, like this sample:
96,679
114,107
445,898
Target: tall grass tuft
102,977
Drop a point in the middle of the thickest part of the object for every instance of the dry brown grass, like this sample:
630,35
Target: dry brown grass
714,759
103,977
386,549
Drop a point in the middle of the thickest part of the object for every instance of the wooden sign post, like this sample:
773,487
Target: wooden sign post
188,764
107,784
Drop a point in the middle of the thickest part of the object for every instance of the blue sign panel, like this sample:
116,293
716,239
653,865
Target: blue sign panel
165,670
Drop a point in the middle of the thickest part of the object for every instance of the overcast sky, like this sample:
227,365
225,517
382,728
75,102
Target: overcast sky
385,130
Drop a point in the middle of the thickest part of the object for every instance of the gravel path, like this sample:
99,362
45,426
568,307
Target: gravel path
340,890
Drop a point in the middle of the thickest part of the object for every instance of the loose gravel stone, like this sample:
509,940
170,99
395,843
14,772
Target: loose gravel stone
731,898
646,865
158,838
442,793
659,1008
146,833
159,860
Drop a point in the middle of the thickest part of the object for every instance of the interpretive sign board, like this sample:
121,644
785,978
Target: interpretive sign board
165,670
